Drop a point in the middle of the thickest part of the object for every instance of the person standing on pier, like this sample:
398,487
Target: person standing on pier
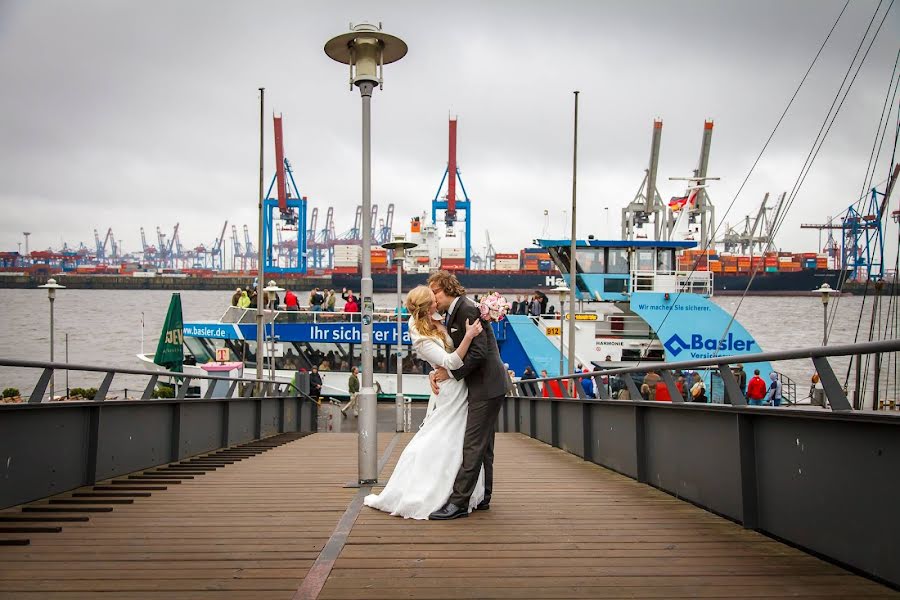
486,379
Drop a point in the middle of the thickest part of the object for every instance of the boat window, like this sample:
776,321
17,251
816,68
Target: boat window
200,350
615,286
645,259
590,260
665,259
618,260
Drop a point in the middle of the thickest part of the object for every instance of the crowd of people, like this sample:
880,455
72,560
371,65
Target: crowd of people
690,386
318,300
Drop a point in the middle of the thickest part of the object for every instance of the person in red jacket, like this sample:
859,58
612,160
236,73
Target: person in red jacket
756,389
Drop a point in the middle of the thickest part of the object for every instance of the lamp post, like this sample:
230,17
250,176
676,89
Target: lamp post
366,49
272,288
51,286
260,259
399,247
562,291
573,273
825,291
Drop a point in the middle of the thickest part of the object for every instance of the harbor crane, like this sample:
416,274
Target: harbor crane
647,206
217,255
249,250
287,212
236,251
862,233
756,235
449,203
696,203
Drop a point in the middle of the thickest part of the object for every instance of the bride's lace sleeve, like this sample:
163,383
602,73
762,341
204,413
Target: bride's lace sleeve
432,350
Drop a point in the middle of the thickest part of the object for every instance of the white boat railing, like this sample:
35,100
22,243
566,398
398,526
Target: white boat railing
236,314
673,282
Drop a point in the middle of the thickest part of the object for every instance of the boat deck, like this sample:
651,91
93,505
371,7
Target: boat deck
276,521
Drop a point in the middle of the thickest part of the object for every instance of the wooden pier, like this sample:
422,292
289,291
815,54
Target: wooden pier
275,520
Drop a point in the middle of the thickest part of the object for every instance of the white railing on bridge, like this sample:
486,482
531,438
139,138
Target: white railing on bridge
673,282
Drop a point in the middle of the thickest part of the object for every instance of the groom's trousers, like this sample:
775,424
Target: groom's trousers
478,450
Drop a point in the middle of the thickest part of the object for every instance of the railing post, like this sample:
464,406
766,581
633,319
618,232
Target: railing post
733,393
176,431
94,422
876,397
554,423
633,390
747,450
588,430
151,387
37,394
532,420
100,396
639,444
671,385
833,392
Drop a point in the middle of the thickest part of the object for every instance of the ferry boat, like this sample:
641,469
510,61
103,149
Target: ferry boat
299,340
634,306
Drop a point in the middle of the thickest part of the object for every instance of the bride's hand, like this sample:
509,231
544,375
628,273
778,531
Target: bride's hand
473,329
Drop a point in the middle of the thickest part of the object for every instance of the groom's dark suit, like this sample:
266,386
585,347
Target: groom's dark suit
486,379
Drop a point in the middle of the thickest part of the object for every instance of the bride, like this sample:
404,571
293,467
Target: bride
423,478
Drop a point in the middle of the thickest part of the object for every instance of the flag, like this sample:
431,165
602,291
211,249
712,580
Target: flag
170,350
678,202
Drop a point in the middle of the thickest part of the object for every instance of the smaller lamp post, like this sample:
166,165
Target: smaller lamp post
563,291
51,286
268,304
825,291
399,246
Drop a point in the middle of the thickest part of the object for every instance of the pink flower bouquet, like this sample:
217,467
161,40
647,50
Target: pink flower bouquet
493,307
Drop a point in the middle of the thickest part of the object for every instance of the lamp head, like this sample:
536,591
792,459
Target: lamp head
51,286
825,291
399,246
366,49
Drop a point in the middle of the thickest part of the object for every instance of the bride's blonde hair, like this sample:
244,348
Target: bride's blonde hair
418,303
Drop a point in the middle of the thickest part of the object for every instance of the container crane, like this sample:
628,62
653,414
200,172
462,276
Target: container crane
249,250
329,237
236,251
647,205
288,209
450,204
216,254
384,232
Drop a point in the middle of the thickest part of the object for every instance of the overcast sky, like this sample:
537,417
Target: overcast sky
127,114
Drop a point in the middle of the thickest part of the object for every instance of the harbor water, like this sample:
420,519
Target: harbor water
109,327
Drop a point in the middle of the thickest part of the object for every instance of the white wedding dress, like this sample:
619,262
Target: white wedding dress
423,479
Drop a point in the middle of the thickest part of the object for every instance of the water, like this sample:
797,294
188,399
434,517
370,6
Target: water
104,328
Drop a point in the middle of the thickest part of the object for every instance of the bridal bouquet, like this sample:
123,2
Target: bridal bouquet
493,307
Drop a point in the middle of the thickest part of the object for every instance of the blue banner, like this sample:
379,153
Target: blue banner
333,333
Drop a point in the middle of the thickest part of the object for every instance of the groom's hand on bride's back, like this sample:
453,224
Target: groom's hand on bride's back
436,376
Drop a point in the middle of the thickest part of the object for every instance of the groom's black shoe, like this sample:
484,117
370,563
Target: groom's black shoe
449,511
484,505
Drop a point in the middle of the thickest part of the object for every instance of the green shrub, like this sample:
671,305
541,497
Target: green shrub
86,393
163,391
10,392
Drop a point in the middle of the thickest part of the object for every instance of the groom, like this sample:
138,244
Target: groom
486,379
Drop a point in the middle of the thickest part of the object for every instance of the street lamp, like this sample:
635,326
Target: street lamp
366,49
563,292
399,247
272,289
826,291
51,286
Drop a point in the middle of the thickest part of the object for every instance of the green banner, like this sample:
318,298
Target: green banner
170,351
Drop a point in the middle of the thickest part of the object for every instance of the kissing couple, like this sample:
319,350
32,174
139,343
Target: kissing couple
447,469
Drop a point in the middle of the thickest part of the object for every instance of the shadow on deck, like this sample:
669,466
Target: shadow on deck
559,527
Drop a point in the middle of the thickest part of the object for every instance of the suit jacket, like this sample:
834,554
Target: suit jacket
485,375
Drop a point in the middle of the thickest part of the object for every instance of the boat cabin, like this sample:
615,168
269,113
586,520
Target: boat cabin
612,270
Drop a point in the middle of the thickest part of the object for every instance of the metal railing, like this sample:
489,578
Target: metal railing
51,447
673,282
822,480
242,386
235,314
835,394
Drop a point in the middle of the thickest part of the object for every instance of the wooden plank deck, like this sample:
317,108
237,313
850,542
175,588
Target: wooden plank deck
558,527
